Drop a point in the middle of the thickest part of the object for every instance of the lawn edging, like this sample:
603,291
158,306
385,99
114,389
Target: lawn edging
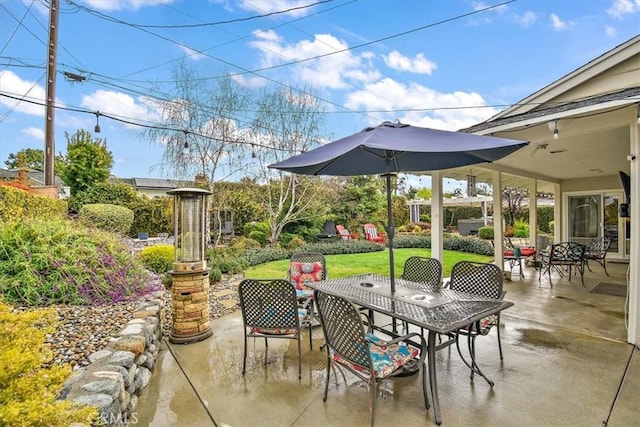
119,372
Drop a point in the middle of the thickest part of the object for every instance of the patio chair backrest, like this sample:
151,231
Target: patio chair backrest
269,304
477,278
370,230
567,252
423,270
307,266
344,329
598,245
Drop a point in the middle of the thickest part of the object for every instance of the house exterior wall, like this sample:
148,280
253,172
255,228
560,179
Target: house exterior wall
611,182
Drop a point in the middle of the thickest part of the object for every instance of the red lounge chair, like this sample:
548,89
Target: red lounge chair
371,233
344,233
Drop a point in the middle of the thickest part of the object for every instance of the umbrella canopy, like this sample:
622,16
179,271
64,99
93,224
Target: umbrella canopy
395,147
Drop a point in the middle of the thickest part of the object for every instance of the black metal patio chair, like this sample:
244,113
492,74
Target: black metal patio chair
365,355
597,251
270,310
485,280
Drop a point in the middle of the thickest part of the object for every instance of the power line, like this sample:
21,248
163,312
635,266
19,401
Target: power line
203,24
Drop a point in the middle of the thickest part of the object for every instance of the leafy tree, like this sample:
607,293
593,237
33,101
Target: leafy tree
32,158
361,200
424,193
87,162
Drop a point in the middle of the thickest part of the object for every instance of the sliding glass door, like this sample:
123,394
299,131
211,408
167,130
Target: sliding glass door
595,215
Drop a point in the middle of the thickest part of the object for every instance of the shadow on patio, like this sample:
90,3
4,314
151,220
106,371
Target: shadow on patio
566,362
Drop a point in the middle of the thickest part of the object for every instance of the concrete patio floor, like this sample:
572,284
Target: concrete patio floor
566,363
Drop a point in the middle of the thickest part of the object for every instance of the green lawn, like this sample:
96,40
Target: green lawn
375,262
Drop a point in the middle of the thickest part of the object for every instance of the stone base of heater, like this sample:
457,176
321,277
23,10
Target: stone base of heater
190,305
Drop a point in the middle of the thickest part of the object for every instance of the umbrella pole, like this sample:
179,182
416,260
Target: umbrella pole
390,233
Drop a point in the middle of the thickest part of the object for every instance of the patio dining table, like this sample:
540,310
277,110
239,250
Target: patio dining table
439,311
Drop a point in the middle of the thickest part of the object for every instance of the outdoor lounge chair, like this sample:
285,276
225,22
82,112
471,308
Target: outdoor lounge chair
479,279
371,233
363,354
597,251
270,310
344,233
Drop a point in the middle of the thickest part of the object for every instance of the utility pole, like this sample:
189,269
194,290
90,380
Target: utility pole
49,123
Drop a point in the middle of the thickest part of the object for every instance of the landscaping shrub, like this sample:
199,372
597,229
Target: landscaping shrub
243,243
16,204
215,275
157,258
255,256
113,218
485,233
63,262
412,241
228,260
258,236
521,228
29,392
296,242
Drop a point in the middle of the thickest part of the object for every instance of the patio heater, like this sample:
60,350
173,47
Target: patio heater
190,275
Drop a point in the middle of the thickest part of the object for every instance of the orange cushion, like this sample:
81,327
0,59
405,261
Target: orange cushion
305,271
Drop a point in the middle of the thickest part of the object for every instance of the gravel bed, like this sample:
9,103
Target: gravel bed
83,330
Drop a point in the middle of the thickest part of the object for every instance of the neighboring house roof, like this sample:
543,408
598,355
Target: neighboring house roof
35,176
155,184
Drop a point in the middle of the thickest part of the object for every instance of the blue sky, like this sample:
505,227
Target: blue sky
444,64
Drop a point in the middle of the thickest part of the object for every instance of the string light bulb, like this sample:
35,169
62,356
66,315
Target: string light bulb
185,146
556,132
96,129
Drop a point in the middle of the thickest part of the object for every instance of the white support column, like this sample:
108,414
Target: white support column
437,220
498,229
533,213
633,331
558,207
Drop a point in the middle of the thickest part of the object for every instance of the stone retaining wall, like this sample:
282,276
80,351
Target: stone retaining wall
119,372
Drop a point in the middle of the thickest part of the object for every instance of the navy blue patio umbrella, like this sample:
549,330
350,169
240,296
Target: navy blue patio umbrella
395,147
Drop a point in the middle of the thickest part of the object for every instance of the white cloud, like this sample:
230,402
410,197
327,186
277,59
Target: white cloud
35,133
331,71
119,105
388,94
610,31
623,7
124,4
526,19
14,85
419,64
192,54
557,23
264,7
479,5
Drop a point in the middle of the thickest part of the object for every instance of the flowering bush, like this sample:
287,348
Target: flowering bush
62,262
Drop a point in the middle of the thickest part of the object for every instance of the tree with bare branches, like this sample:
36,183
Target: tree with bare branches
286,123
